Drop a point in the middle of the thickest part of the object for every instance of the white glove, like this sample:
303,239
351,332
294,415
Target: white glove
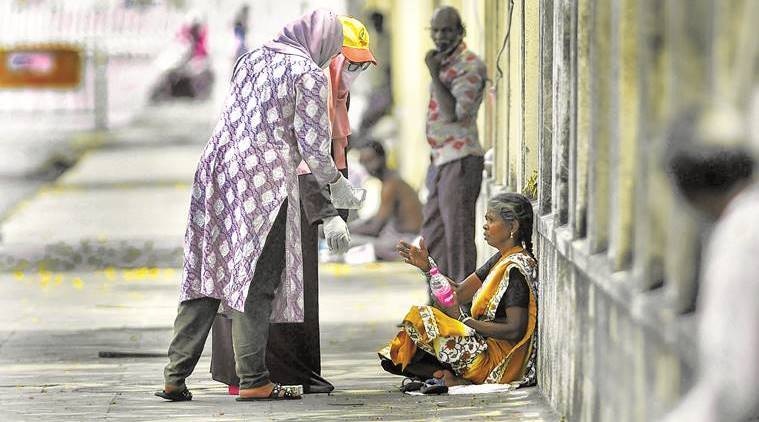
345,196
337,235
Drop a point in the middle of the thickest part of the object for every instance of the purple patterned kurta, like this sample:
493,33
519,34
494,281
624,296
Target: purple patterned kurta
275,114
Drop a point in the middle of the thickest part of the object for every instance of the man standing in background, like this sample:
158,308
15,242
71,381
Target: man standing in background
455,173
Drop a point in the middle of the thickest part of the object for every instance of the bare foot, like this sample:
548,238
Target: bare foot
449,378
262,391
169,388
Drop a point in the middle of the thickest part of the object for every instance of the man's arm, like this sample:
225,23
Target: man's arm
445,99
467,90
446,102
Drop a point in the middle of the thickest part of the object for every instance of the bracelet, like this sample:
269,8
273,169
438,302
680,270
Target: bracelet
468,318
432,263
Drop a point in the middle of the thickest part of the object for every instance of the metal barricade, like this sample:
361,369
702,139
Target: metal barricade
90,65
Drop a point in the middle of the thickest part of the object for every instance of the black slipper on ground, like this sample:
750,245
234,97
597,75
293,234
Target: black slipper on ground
434,386
409,384
279,392
181,395
434,389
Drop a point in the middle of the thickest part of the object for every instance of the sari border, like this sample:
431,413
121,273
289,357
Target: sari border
523,263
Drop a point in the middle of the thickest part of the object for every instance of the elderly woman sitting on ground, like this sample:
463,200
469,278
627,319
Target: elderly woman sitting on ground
492,341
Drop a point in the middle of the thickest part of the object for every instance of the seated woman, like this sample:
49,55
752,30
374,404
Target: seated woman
496,340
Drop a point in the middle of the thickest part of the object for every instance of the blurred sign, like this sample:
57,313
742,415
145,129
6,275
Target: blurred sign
40,67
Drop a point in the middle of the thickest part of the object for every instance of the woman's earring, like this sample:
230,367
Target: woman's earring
511,236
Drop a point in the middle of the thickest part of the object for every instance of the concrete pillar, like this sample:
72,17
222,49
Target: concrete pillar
602,131
580,153
652,190
492,45
545,119
501,85
623,151
100,68
515,99
562,103
531,97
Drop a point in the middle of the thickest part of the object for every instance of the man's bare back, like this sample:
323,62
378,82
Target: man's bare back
407,209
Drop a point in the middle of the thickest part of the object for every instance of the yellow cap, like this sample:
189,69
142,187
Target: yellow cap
356,41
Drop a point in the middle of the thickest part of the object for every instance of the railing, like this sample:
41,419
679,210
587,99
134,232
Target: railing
117,45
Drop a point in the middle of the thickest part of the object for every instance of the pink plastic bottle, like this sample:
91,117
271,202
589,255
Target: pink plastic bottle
440,287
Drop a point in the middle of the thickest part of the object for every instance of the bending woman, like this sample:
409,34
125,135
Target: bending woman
495,340
242,244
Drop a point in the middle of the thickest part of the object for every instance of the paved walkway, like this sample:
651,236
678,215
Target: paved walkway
55,324
122,204
88,264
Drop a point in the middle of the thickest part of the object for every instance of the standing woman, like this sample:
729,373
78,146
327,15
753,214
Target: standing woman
242,245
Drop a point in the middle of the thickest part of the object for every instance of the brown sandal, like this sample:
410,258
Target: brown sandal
279,392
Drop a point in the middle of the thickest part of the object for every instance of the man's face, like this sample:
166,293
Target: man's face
372,162
445,31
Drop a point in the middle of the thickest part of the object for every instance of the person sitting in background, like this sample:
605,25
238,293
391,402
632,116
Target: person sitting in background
713,171
400,212
496,342
185,69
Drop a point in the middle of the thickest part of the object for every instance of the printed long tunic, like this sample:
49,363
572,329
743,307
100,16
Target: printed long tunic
274,116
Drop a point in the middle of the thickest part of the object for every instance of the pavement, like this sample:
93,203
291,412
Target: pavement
54,325
89,263
122,203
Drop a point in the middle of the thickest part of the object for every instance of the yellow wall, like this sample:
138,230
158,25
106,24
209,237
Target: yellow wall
411,86
410,41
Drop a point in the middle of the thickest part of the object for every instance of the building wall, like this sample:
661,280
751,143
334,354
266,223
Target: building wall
576,119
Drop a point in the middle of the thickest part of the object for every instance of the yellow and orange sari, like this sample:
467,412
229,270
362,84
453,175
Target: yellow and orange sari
474,357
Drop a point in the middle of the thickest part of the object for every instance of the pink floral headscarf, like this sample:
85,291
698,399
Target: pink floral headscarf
317,35
337,109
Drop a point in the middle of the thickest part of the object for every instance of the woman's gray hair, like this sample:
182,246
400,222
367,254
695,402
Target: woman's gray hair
513,206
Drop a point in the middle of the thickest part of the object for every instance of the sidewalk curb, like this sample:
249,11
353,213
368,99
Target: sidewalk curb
88,254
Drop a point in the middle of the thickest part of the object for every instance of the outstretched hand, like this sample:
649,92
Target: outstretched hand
417,256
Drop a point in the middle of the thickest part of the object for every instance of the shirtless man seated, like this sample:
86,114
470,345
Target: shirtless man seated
400,213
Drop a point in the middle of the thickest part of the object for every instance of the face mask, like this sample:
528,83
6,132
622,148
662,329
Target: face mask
348,77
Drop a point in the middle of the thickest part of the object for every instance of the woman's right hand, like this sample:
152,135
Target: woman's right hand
344,196
417,256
